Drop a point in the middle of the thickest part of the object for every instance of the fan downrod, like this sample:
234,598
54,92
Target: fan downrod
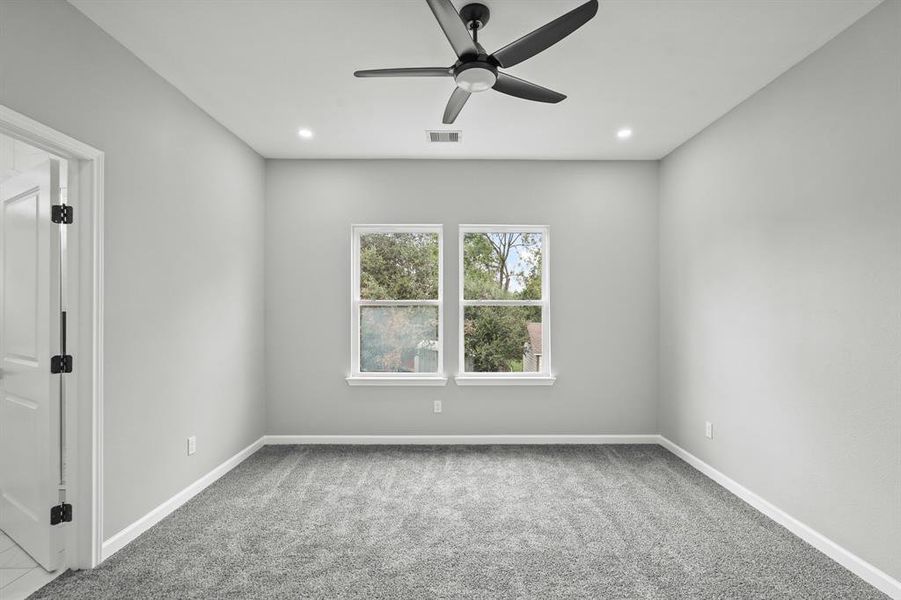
475,16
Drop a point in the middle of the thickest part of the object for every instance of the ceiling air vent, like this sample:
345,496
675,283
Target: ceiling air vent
438,136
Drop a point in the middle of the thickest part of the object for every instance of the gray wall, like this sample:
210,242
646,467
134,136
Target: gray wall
781,287
779,269
184,250
603,219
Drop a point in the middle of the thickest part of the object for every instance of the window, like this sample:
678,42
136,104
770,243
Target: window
396,308
504,305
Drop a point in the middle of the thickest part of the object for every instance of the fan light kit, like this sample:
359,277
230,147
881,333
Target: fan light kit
477,71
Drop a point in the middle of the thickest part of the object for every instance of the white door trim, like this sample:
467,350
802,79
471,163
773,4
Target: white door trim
84,388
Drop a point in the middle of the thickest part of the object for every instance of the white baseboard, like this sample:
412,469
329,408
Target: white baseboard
869,573
461,439
121,539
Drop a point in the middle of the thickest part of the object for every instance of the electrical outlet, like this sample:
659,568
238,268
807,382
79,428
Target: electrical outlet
437,405
708,430
192,445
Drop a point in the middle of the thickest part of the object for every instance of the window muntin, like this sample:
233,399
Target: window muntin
504,301
396,301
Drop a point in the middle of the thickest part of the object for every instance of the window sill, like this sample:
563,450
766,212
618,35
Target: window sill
432,380
504,380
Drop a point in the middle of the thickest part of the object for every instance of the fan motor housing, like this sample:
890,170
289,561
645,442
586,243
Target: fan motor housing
475,14
475,76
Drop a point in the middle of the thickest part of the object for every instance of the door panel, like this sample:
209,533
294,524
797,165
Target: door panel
29,336
21,288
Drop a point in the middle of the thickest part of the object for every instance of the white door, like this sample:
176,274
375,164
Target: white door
29,336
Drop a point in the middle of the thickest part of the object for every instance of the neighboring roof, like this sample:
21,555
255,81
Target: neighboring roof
534,337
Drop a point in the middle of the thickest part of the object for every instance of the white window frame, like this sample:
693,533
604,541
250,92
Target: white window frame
543,377
357,377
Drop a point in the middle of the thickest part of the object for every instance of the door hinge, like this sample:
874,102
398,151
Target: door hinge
62,213
61,514
61,363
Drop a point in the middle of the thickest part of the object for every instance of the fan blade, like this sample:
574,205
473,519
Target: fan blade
454,28
407,72
514,86
455,105
544,37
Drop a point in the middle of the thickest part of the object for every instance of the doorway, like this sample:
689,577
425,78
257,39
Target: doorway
33,363
51,315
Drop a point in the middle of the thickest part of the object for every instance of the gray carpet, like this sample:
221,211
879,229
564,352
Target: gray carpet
611,522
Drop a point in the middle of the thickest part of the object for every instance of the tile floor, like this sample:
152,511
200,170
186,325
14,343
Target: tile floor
19,574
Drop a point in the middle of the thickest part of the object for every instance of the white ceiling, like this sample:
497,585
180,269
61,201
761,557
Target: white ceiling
665,68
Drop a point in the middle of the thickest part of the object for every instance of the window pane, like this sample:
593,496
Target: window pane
399,339
399,266
502,266
502,339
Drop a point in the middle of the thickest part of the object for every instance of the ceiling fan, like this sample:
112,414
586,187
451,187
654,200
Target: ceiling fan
476,70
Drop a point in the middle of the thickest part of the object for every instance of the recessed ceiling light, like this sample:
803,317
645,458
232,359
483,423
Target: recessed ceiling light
624,133
305,133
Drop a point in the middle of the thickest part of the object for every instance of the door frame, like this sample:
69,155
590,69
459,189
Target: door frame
83,387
